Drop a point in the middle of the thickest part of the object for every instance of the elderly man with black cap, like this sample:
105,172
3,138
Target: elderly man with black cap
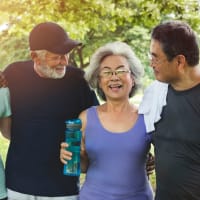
44,92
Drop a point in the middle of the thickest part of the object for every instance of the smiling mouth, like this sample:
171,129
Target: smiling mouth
114,86
60,69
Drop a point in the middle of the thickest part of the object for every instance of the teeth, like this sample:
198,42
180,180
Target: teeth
115,86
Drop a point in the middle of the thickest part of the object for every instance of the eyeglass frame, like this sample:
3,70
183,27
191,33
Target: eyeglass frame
108,73
152,58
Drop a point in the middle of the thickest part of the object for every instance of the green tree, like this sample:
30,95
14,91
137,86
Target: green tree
94,22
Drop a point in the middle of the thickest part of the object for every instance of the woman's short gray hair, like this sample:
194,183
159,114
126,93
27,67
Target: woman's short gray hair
114,48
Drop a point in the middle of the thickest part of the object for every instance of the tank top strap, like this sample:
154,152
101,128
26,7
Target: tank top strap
92,113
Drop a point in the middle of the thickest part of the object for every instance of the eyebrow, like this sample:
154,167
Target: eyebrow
118,67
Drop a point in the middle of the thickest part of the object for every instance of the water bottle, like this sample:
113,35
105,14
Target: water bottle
73,139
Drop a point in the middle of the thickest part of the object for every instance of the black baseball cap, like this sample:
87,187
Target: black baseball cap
51,37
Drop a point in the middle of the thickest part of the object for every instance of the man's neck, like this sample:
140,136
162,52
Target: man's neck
189,79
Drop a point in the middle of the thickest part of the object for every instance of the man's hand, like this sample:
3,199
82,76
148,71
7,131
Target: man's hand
3,82
150,165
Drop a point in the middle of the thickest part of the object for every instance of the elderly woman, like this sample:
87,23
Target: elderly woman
114,142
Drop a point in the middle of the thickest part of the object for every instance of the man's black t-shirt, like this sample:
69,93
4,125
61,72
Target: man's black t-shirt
40,107
177,146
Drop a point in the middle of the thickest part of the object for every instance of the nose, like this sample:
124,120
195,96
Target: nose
114,76
151,63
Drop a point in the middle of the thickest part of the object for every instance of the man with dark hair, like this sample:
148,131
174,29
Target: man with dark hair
44,92
174,55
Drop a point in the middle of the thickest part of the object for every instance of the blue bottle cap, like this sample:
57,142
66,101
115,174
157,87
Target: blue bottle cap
73,123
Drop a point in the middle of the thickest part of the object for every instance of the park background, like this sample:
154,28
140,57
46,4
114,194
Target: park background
94,22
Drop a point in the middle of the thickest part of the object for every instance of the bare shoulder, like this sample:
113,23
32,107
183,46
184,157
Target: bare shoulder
83,118
82,115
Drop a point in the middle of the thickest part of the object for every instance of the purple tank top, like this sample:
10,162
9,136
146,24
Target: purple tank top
117,162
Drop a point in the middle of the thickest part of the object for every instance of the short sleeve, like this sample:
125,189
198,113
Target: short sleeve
5,109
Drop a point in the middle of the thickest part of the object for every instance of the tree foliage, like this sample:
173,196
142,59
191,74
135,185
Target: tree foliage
94,22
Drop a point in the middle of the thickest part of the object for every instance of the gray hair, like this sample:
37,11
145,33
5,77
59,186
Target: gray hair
114,48
41,53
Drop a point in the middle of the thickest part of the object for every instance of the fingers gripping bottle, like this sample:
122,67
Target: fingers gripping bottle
73,139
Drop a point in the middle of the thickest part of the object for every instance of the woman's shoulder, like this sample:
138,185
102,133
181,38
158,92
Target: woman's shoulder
83,114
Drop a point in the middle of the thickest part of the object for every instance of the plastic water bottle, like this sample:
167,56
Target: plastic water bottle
73,139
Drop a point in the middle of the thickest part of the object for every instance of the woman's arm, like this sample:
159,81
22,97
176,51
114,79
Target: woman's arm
67,155
84,156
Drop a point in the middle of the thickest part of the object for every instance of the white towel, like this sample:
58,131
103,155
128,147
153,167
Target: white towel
152,103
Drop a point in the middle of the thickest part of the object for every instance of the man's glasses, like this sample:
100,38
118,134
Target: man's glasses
109,73
154,59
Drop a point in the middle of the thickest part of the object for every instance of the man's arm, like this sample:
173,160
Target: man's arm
3,81
5,126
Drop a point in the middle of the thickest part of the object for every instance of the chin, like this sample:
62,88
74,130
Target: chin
158,77
56,75
161,79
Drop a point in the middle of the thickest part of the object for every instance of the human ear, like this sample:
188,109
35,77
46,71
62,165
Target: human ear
181,59
181,62
133,80
35,57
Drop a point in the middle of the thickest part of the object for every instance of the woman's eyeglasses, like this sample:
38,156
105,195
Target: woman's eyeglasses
109,73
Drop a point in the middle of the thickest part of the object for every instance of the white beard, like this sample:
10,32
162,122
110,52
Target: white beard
50,72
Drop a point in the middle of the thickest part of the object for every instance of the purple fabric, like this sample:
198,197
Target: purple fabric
117,162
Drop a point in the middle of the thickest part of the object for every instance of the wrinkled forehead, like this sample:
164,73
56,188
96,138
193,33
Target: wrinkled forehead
114,62
48,53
